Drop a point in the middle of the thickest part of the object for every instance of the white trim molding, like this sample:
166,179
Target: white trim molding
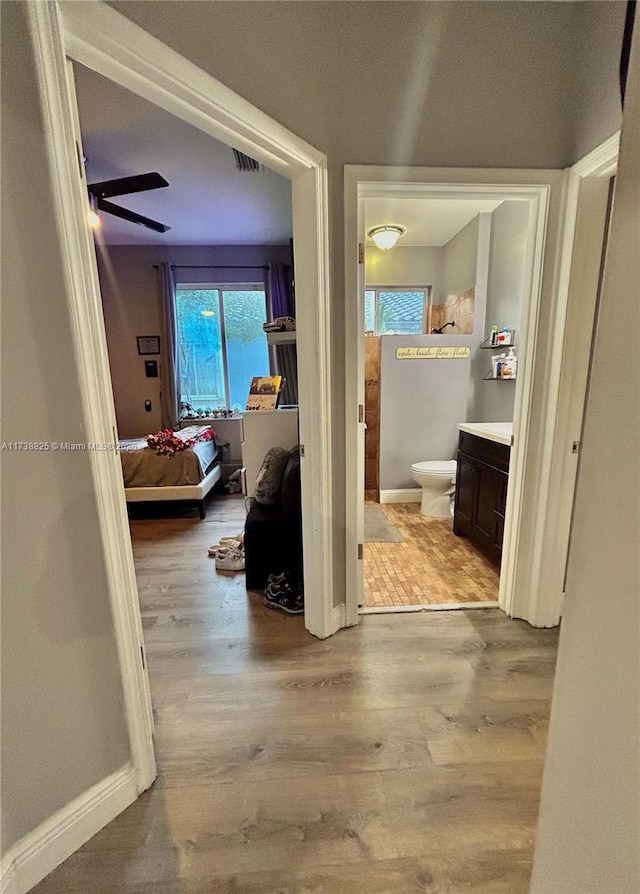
110,44
90,348
37,854
544,190
401,495
576,296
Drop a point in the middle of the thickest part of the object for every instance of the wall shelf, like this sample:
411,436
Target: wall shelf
491,378
282,338
487,346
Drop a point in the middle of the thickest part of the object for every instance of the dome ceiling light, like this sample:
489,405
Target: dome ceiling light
387,236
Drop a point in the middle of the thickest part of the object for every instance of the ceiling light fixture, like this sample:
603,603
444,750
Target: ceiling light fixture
386,237
208,313
93,216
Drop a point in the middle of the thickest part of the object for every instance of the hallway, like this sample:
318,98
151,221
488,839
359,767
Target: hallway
404,755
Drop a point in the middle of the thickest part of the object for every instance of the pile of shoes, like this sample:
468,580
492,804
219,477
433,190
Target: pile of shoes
284,592
229,553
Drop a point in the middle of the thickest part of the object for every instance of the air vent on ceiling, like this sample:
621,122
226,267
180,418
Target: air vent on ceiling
245,163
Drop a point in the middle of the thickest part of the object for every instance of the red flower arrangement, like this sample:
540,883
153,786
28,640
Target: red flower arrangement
168,443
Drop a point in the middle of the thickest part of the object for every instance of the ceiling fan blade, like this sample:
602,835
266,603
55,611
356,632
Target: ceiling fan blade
124,186
131,216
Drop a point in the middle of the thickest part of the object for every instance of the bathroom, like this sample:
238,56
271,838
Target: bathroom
457,266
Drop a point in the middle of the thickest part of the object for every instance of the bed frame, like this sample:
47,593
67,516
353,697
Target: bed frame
195,492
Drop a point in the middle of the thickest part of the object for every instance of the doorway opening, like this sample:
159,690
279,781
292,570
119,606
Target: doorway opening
442,312
77,34
553,354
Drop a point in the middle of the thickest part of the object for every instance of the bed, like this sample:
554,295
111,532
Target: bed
188,474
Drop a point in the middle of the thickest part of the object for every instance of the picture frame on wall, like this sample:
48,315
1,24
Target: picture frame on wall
148,344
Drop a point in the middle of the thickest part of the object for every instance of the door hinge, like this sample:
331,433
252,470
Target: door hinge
513,440
360,412
360,551
144,666
301,449
361,253
575,447
79,157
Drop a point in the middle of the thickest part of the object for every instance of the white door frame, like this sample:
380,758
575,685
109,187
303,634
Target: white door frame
579,276
544,190
105,41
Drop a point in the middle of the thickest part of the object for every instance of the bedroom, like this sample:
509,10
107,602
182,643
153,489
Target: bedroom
219,253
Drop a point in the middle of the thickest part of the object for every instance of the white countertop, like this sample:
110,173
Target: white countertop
500,432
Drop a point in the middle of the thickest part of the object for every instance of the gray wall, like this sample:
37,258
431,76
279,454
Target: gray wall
459,260
132,306
421,403
493,401
63,724
411,265
588,838
596,112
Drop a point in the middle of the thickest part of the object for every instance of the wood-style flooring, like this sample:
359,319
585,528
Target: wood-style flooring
404,755
432,566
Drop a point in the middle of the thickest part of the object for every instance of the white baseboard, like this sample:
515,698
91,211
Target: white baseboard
402,495
32,858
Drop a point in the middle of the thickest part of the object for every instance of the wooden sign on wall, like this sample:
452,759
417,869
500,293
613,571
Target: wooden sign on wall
433,353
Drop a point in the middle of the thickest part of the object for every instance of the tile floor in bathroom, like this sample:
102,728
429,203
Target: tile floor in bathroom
431,566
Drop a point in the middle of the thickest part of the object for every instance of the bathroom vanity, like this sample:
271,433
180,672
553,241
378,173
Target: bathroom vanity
482,475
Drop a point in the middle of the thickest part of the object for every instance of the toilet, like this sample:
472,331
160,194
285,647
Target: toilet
437,479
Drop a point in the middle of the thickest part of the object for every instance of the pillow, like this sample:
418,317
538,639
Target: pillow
290,494
269,478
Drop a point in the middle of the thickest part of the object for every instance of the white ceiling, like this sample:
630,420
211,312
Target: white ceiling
207,202
428,221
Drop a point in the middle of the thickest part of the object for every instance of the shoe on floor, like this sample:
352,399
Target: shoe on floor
230,559
226,543
284,594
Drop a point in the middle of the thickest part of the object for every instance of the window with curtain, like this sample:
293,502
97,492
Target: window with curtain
221,342
390,311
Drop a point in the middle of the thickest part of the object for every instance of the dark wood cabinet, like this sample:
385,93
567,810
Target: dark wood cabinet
481,493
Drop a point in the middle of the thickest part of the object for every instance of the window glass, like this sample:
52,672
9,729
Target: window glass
395,311
247,350
221,344
400,312
370,310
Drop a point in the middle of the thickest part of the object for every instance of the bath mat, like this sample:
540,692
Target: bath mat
378,528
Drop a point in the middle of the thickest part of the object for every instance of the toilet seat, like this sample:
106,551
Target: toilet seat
436,467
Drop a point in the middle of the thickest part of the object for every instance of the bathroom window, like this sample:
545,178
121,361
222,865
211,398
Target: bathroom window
221,342
389,311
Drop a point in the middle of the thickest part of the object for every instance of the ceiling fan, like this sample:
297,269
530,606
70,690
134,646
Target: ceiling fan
123,186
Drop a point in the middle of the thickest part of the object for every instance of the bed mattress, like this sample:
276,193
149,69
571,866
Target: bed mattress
142,467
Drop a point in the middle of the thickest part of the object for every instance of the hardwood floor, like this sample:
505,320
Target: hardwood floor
404,755
432,565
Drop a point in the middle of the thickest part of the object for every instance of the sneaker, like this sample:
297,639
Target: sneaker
230,559
236,542
283,594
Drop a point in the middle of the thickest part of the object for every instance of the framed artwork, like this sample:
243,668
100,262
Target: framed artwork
148,344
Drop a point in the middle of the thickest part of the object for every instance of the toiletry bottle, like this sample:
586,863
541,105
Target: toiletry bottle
498,361
494,335
509,366
504,336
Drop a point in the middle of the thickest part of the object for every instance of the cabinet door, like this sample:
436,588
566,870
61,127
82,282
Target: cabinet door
465,506
490,507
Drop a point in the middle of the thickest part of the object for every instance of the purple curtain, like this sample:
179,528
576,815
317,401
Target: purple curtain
169,394
279,284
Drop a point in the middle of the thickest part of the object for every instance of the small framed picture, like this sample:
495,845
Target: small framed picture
148,344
